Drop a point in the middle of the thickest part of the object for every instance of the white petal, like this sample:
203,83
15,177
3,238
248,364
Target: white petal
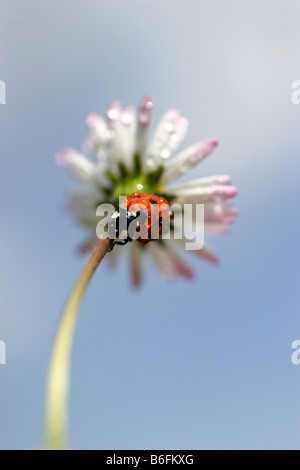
123,142
201,195
169,134
207,181
98,135
144,120
188,159
113,113
76,163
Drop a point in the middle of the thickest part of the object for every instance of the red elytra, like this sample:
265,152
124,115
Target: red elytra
157,210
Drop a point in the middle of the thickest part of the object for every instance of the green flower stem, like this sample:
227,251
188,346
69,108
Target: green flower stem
59,369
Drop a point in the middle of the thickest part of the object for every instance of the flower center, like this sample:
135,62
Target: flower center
129,181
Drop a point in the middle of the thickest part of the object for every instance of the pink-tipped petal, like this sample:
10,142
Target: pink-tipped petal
215,228
113,113
76,163
184,270
168,136
123,142
219,212
207,255
181,266
145,111
200,182
188,159
205,194
98,134
127,117
94,121
206,252
144,121
162,261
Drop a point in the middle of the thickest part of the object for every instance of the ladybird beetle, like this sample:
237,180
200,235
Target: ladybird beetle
148,210
154,208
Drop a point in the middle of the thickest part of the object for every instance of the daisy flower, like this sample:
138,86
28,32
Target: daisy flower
118,158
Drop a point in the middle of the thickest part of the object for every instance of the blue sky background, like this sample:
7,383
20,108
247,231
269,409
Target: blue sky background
200,365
